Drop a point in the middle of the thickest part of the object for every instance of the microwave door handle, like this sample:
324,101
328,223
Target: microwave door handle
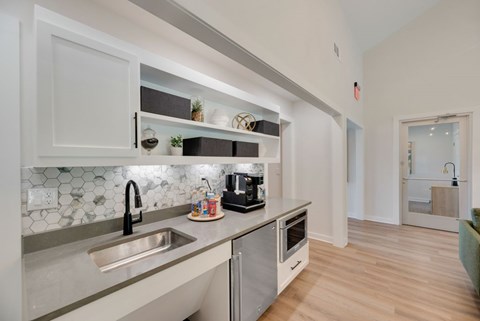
303,218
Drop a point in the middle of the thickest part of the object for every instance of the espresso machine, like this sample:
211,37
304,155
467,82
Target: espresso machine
243,192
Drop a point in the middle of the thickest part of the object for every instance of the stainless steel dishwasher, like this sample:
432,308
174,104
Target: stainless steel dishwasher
253,273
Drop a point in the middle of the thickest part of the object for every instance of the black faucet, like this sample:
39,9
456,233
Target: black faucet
454,178
127,217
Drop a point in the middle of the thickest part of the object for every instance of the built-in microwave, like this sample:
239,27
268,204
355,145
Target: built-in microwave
293,233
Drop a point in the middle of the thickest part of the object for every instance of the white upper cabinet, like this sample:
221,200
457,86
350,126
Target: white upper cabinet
88,109
88,93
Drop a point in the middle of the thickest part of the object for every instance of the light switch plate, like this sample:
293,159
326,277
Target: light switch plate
42,198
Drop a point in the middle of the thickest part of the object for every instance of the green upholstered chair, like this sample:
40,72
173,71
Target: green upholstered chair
469,248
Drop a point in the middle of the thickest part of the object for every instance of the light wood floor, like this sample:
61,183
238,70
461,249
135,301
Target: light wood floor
386,273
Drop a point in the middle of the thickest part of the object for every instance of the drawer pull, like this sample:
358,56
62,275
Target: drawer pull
298,263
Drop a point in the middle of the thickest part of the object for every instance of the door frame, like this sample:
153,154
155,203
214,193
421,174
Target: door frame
473,133
434,221
286,155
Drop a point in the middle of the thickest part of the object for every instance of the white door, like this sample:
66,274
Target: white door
88,93
435,171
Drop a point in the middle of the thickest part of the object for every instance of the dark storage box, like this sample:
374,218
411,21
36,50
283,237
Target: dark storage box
204,146
157,102
267,127
244,149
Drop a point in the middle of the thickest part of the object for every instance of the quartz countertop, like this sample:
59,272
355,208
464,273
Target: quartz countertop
63,278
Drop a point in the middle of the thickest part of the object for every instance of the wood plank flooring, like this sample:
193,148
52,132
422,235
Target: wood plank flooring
386,273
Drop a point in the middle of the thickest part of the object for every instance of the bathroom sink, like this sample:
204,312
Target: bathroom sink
116,254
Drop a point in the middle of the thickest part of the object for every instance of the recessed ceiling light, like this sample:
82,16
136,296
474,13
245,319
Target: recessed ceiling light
433,128
446,133
431,134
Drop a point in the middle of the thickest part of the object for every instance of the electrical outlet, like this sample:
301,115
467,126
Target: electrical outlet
42,198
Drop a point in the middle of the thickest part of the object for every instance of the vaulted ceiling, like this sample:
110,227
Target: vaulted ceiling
372,21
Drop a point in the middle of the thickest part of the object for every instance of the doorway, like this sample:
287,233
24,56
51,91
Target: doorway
434,169
355,169
278,173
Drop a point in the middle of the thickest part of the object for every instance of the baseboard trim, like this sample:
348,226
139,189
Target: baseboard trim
380,219
418,199
355,216
320,237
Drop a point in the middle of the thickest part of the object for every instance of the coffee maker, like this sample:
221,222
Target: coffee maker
243,192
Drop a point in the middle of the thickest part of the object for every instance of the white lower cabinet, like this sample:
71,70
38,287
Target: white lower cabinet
288,270
198,286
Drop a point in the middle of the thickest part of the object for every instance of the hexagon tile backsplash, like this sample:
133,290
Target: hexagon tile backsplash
89,194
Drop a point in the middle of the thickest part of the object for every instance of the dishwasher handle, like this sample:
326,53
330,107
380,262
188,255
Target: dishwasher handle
237,285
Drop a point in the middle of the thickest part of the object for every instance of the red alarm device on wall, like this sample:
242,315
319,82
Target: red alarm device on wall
356,91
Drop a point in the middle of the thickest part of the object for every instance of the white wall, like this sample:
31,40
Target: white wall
301,48
313,166
130,23
296,38
10,238
356,168
429,66
351,171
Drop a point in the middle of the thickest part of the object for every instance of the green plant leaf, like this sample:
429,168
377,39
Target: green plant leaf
176,141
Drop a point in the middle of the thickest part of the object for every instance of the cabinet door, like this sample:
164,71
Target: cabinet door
88,93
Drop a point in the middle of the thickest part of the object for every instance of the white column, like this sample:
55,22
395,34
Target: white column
10,237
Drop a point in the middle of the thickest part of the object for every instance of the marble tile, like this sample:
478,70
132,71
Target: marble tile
90,194
65,178
51,172
38,226
77,172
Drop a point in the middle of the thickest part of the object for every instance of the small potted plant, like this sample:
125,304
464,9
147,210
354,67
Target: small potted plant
176,143
197,109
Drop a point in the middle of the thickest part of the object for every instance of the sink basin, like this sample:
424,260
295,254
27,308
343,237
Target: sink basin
116,254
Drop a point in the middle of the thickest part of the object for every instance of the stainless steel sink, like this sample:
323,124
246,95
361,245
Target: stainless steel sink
116,254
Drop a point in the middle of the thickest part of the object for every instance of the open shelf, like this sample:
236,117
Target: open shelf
169,77
190,124
185,80
192,160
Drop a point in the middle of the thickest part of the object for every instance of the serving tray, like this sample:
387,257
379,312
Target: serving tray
203,218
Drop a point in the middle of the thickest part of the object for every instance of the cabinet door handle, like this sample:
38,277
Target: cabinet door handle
298,263
136,130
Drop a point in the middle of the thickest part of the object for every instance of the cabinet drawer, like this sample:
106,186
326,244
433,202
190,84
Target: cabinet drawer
289,269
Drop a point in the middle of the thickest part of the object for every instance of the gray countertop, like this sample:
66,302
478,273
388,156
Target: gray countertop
63,278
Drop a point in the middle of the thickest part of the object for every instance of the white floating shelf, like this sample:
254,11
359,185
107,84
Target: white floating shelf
169,74
192,160
190,124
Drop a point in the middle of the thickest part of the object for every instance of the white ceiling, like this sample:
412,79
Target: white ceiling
372,21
